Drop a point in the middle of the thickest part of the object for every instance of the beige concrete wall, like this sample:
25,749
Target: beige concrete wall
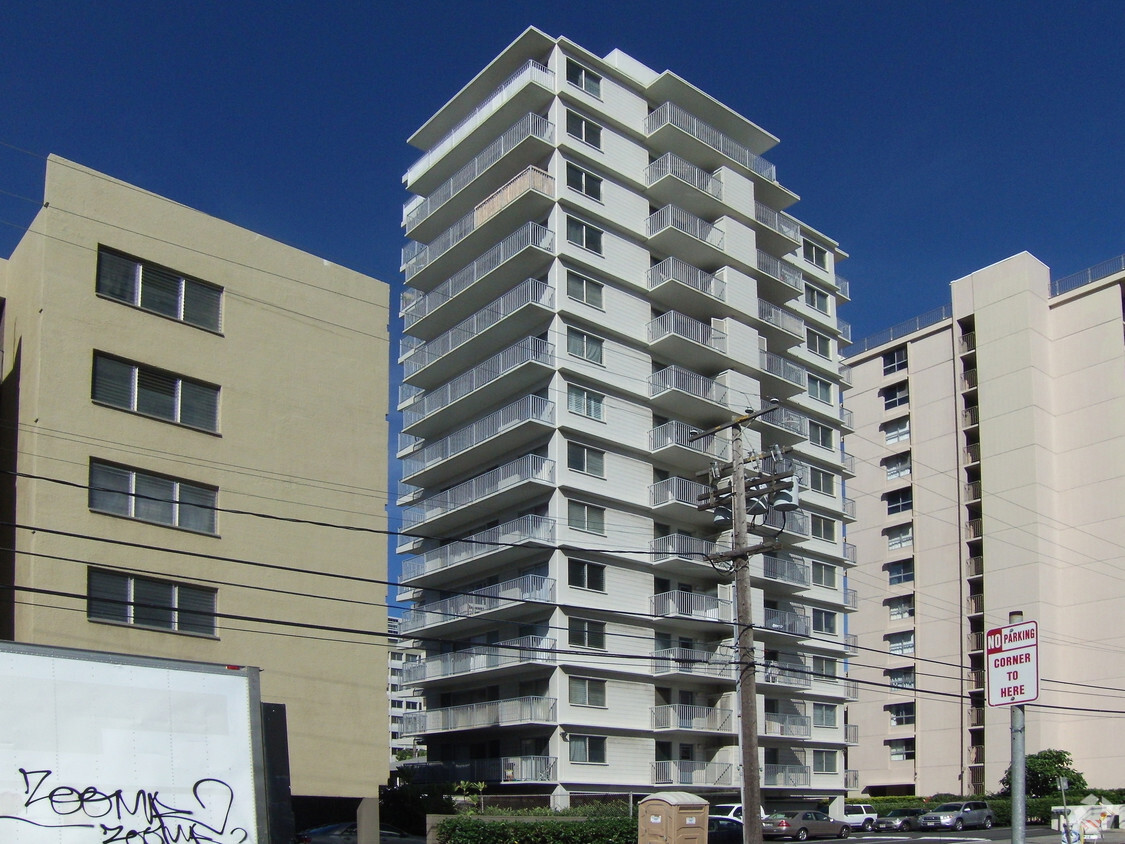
302,365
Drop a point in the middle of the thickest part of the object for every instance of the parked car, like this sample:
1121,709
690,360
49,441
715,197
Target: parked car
958,816
732,810
898,819
860,816
336,833
723,829
803,824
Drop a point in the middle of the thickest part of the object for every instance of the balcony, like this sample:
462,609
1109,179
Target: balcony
851,780
694,663
691,605
972,454
851,644
678,772
794,572
518,711
845,374
508,541
968,380
976,716
970,417
787,377
689,394
523,252
786,776
793,425
492,326
529,194
976,679
975,641
665,124
673,230
512,654
788,277
794,522
672,179
974,528
791,325
678,499
974,604
783,621
781,232
787,726
678,337
677,284
792,674
976,754
974,566
678,553
851,734
696,719
511,593
847,419
673,443
972,491
506,769
530,128
968,342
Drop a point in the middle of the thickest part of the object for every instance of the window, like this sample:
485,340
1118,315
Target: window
125,599
587,749
897,466
901,678
823,528
586,517
587,692
586,575
820,389
586,634
894,360
824,668
583,289
584,235
900,536
816,298
820,435
584,459
824,574
822,481
901,644
895,395
824,714
815,254
824,761
902,714
159,290
901,571
585,402
583,345
151,498
817,343
902,750
154,392
897,430
584,78
901,607
824,621
899,501
583,181
584,130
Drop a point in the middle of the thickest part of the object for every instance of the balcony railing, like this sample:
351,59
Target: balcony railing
790,420
416,305
851,733
416,356
783,621
530,587
529,73
787,570
676,324
699,663
845,329
969,379
698,718
417,256
686,381
670,113
783,271
968,342
974,528
976,716
972,453
790,726
976,641
781,368
495,713
691,605
671,164
1091,274
679,546
851,598
851,643
851,779
974,566
671,217
528,126
846,374
680,434
530,467
785,776
525,529
528,649
780,318
779,221
974,604
504,769
972,491
970,417
673,269
794,674
676,490
677,772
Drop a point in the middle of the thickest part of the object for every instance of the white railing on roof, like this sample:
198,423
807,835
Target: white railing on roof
670,113
1087,276
681,325
902,329
674,269
530,467
525,529
671,164
671,217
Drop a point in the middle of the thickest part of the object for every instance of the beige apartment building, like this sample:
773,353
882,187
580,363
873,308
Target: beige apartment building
990,478
181,398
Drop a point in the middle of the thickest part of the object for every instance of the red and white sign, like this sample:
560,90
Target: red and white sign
1013,663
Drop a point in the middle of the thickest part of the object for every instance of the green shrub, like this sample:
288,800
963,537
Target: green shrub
468,830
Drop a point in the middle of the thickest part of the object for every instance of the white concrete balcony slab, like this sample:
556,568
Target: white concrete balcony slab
691,605
507,542
787,725
678,772
503,656
671,179
677,284
673,230
679,337
781,376
487,601
711,148
689,394
783,326
781,279
693,719
682,554
512,712
776,230
674,444
693,662
677,499
507,769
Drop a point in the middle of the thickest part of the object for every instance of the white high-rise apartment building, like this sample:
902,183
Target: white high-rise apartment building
599,266
990,448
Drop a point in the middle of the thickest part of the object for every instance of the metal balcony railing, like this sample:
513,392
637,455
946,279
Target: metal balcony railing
495,713
851,779
844,286
793,674
780,318
672,114
676,490
679,546
673,269
972,491
790,420
976,679
851,598
1086,276
974,604
525,529
975,641
969,379
851,733
968,342
671,164
503,769
527,649
530,587
685,381
671,217
972,453
790,726
779,221
849,507
782,368
974,528
680,434
845,329
795,571
974,566
678,772
970,417
697,718
785,776
783,271
783,621
530,467
845,374
976,716
851,643
691,605
676,324
700,663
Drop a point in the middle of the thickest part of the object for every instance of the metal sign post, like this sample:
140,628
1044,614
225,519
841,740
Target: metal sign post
1013,679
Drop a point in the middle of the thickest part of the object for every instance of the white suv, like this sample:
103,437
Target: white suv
731,810
860,816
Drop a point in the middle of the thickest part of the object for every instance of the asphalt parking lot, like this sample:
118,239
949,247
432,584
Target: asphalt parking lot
1001,835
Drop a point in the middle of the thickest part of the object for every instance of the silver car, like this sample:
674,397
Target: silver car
803,824
957,816
901,820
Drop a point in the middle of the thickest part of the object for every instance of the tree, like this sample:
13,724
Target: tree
1043,771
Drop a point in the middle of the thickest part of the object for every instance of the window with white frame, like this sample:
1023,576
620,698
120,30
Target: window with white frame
583,458
161,500
584,130
584,235
824,714
579,344
897,465
896,395
901,644
894,360
583,633
902,714
901,750
585,402
900,571
584,78
145,602
900,536
820,435
824,621
824,761
899,501
586,691
159,290
823,527
586,517
900,607
154,392
820,389
816,298
896,430
822,481
817,343
583,289
583,181
824,574
587,749
814,254
901,678
584,575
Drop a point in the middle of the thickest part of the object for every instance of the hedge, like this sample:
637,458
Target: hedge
469,830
